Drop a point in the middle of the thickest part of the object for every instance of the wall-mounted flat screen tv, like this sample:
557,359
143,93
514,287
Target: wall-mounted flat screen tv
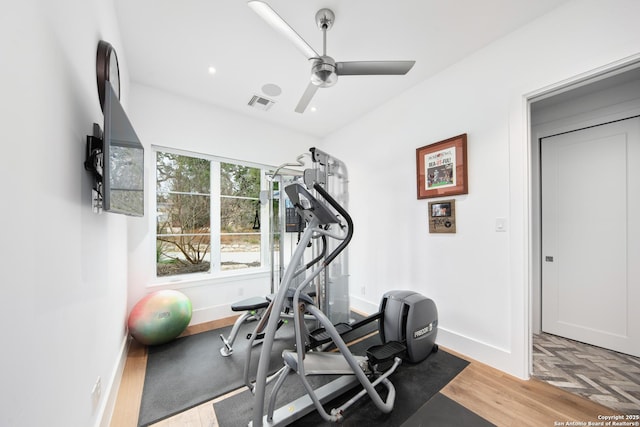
123,173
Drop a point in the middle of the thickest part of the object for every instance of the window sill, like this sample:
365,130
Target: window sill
205,279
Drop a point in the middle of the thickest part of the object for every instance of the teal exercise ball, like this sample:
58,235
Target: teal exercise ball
160,317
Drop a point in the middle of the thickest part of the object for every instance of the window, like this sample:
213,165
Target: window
209,215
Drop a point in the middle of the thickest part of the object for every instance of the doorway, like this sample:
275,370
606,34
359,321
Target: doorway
606,98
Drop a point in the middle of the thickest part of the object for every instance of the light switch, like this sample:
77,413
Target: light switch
501,224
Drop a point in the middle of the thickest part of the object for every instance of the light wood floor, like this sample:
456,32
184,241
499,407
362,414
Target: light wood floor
498,397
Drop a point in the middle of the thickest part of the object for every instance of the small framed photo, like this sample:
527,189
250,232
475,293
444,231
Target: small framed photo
442,216
442,168
440,209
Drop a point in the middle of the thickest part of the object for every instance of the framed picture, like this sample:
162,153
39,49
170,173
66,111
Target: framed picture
442,216
442,168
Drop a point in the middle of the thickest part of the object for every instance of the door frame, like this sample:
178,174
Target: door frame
535,134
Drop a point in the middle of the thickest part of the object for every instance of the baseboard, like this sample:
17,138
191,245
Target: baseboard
196,328
108,403
362,305
211,313
499,358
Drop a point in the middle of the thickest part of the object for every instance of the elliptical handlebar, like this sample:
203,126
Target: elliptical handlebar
342,211
297,193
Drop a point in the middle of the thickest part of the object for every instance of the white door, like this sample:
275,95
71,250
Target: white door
591,235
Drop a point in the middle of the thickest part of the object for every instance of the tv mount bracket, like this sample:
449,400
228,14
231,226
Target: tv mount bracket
94,163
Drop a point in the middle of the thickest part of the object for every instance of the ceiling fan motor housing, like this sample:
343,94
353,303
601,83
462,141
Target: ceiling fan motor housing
323,72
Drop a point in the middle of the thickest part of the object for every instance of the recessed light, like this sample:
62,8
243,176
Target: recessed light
314,109
212,70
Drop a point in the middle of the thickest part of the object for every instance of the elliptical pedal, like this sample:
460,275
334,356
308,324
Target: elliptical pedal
320,336
385,352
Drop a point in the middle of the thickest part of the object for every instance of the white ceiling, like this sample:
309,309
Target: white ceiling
170,44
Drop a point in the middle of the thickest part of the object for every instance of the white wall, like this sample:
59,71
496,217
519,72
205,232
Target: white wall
163,119
478,277
64,269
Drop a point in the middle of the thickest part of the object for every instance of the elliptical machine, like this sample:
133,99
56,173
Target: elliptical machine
407,324
332,288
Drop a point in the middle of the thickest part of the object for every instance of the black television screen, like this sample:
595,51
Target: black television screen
123,170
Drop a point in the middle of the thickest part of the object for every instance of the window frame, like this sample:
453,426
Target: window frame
215,195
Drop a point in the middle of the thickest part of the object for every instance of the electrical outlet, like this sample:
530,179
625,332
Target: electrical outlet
240,292
96,393
363,290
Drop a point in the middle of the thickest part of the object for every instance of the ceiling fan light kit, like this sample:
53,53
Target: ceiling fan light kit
324,69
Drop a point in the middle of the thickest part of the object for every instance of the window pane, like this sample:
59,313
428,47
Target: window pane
183,227
239,215
183,213
183,230
239,251
182,173
170,260
242,181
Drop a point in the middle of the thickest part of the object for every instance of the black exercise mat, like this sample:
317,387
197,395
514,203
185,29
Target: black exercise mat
415,384
440,411
190,370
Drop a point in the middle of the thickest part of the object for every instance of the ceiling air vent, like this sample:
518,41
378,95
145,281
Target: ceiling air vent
261,103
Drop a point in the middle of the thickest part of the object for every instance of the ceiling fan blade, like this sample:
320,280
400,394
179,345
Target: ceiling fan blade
272,18
359,68
306,98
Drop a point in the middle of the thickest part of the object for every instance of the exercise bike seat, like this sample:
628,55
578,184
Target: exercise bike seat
254,303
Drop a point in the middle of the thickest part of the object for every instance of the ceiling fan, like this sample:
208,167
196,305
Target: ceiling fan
324,69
